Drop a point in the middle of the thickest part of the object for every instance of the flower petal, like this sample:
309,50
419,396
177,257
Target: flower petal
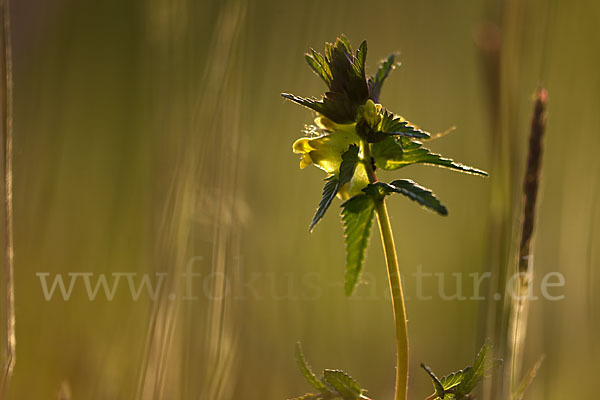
359,181
326,151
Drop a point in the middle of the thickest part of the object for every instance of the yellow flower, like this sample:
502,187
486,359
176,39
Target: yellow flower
325,152
359,181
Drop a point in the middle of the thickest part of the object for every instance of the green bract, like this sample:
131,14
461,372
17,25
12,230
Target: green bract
355,136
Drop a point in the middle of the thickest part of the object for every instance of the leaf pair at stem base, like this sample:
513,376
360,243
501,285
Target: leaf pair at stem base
333,384
459,385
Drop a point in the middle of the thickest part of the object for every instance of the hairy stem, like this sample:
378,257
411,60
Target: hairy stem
389,248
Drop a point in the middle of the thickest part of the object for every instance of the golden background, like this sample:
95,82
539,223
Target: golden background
147,133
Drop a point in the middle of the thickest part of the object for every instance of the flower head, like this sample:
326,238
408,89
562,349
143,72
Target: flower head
354,134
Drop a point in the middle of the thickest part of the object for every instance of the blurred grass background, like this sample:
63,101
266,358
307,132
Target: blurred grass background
148,133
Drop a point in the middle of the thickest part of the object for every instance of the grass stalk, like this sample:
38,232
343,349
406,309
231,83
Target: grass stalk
6,93
524,267
395,282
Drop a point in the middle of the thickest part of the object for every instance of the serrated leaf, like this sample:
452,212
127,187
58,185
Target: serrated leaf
459,384
418,193
334,106
451,380
349,161
347,166
390,125
344,74
391,154
410,189
343,383
394,125
344,40
378,190
437,385
319,65
357,217
376,81
474,374
361,60
307,371
334,384
387,153
329,191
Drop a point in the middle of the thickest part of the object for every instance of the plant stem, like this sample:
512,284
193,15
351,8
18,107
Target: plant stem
391,259
6,100
520,305
389,248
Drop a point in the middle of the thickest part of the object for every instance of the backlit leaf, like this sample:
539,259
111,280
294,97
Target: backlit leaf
357,216
343,383
332,185
307,371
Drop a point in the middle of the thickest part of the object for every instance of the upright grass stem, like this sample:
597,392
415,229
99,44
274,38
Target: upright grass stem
6,99
391,259
524,268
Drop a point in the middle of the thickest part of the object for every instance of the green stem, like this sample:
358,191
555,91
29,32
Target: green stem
389,248
391,259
